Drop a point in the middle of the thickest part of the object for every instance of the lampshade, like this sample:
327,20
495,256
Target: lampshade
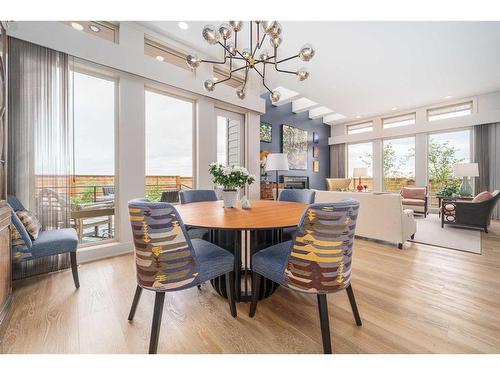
360,172
277,162
466,170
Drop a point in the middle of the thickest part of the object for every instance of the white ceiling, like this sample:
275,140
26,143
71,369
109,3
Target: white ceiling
368,68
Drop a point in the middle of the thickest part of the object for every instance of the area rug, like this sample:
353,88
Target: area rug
429,232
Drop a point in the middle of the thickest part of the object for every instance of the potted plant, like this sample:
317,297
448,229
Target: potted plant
231,178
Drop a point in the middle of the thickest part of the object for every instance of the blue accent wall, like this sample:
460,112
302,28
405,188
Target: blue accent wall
277,116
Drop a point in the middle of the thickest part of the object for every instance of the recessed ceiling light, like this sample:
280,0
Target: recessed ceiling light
160,58
358,116
183,25
394,108
447,97
94,28
76,26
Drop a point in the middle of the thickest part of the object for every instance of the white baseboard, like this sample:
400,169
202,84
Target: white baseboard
93,253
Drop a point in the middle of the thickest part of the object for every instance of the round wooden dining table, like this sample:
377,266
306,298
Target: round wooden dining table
243,232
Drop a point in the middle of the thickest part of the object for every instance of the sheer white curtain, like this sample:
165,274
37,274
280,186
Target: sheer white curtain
40,131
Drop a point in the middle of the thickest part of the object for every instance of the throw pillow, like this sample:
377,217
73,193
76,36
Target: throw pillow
481,197
30,222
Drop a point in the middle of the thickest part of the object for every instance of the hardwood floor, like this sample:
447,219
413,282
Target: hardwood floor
422,299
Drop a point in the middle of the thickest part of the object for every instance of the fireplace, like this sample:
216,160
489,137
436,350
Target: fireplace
295,182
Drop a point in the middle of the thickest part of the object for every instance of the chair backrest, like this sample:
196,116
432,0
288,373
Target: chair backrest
297,195
191,196
108,190
414,192
321,252
338,184
165,259
14,203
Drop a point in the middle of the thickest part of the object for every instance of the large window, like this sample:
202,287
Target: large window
446,149
230,138
360,155
93,184
398,163
169,146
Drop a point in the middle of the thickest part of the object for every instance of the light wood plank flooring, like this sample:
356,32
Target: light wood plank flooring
420,300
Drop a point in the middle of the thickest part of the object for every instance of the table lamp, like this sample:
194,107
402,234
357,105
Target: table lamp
360,172
465,170
277,162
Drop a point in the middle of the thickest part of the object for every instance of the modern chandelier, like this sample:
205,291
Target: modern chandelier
253,56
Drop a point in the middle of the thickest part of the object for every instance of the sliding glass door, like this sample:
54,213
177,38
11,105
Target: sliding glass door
92,186
169,145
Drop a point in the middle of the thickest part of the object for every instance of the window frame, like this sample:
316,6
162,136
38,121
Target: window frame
429,116
414,136
93,70
369,125
411,116
162,90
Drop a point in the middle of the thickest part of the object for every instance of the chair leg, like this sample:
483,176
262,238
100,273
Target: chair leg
325,323
74,269
485,229
354,307
155,327
230,293
255,293
400,246
413,236
135,302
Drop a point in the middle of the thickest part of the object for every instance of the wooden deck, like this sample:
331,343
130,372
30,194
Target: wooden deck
419,300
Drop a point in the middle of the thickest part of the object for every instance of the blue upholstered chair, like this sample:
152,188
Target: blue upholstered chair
48,242
297,195
168,260
318,260
305,196
191,196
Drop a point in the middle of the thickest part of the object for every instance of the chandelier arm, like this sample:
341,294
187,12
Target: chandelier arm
284,71
246,77
259,45
288,58
263,80
251,36
230,73
265,61
243,58
238,69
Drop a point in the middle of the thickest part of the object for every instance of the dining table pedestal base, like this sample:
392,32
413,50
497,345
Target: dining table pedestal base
243,244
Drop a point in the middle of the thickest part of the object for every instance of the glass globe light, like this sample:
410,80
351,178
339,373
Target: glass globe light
193,61
267,25
236,25
275,96
302,74
210,34
275,41
241,92
209,85
225,31
231,49
275,30
307,52
246,53
264,55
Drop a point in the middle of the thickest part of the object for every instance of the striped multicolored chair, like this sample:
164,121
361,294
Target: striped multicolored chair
167,260
318,260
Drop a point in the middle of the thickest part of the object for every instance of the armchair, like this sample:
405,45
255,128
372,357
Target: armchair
474,214
415,198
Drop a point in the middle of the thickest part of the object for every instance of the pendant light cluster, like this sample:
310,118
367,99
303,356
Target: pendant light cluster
252,56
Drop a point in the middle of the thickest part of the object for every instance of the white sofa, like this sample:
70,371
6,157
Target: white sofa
381,216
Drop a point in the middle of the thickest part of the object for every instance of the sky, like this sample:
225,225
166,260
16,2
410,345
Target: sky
169,130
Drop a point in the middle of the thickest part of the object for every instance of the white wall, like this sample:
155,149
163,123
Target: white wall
486,109
134,71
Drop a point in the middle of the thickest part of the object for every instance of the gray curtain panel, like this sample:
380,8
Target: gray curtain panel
487,155
337,161
40,139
